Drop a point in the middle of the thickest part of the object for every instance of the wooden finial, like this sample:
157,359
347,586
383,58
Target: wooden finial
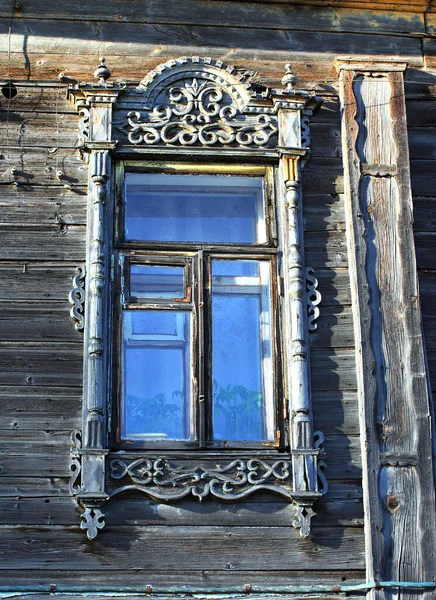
102,73
289,79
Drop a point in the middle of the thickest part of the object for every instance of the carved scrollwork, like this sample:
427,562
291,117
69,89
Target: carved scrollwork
77,298
302,519
198,112
92,521
162,480
318,438
313,299
75,463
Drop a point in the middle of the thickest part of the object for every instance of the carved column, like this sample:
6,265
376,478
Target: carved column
95,104
392,385
295,317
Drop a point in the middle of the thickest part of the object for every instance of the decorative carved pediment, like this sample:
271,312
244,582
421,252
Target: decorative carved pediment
199,102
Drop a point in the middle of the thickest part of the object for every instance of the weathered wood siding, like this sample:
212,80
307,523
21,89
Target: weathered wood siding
42,238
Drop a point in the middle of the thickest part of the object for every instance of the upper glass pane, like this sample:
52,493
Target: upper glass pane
153,281
194,208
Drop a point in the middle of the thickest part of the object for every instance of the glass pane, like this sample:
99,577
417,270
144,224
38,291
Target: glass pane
156,388
152,281
242,351
194,208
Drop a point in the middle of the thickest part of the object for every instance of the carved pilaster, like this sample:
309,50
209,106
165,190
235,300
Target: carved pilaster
95,104
295,312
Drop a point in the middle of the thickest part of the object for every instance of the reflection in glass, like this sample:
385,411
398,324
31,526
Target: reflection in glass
194,208
156,394
153,281
242,351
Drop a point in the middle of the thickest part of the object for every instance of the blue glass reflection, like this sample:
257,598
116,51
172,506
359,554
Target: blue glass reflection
194,208
152,281
156,375
241,347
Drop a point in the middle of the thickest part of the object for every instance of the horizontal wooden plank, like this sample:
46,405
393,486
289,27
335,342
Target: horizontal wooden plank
336,412
323,211
44,282
38,166
57,242
323,176
56,36
422,143
38,98
52,364
54,129
29,323
52,322
334,286
137,509
44,205
420,84
21,450
240,14
425,243
60,364
326,249
333,370
415,5
422,181
318,74
139,593
258,548
35,487
424,214
23,407
334,328
421,113
128,579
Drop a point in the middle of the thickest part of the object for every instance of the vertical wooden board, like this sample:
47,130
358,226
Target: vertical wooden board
390,348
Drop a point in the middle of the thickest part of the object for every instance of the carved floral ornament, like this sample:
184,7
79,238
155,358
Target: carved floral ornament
186,104
195,102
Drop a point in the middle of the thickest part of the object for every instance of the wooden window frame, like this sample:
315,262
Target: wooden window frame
233,125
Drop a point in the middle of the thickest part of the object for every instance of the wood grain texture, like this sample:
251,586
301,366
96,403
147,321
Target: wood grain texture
246,548
56,242
222,13
37,282
84,37
390,353
66,579
48,205
139,511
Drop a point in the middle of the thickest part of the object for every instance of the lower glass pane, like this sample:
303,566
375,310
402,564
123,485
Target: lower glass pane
156,375
242,351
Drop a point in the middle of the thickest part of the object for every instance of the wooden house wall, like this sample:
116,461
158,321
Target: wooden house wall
42,239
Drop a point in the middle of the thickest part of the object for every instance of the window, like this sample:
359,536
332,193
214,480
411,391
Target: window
188,387
197,359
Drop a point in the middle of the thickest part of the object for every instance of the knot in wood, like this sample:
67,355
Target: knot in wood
392,503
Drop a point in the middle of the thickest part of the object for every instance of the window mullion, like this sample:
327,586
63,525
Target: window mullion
201,357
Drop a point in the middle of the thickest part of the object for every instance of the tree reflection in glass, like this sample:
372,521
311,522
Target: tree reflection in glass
241,350
156,375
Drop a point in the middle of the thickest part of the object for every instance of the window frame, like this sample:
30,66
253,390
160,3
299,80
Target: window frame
199,255
217,113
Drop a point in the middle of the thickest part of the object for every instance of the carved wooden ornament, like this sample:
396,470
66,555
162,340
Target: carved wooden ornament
195,105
